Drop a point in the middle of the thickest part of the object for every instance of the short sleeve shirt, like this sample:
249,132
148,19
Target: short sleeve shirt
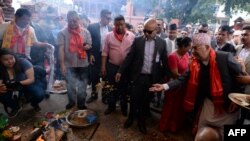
72,59
24,65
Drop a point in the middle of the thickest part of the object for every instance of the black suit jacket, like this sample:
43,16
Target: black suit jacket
228,68
94,30
163,35
228,48
133,62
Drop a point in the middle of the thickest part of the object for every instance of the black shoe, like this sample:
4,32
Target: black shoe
47,96
108,111
142,127
14,112
124,112
128,123
37,108
70,105
92,98
104,101
82,107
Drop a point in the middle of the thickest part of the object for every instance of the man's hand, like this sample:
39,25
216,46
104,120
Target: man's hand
92,59
243,79
241,62
3,88
118,77
63,69
48,45
156,88
103,71
248,98
86,47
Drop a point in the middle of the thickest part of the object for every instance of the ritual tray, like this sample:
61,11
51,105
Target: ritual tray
81,118
240,99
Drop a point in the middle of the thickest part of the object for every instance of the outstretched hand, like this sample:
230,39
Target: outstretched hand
156,88
3,88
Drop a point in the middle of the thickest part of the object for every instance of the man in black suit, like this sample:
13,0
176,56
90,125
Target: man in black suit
146,63
222,38
210,79
98,32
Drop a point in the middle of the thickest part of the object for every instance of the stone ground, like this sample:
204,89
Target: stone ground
109,129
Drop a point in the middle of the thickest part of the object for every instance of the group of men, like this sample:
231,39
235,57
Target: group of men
132,64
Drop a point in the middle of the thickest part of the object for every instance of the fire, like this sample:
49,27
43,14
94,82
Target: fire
40,138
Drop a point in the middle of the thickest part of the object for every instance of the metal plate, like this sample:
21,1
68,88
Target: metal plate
240,99
79,118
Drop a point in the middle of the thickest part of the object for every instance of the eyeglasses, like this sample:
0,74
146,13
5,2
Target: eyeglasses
148,31
202,31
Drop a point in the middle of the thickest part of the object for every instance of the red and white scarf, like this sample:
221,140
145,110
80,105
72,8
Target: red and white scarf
76,42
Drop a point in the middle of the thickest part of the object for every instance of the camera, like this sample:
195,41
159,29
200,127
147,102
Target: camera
13,86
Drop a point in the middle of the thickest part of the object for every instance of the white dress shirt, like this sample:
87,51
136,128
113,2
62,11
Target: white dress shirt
103,31
244,53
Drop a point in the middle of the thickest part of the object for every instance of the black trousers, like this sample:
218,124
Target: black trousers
140,97
120,92
95,71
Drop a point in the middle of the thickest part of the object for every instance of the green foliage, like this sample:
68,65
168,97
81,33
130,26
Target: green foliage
202,11
235,5
190,10
4,121
2,138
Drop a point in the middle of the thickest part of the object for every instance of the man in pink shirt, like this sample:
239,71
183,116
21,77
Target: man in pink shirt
116,46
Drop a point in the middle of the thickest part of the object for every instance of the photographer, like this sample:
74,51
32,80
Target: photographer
16,79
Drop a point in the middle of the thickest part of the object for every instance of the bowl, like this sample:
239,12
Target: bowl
81,118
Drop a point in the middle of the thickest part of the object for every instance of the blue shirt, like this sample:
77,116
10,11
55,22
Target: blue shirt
24,65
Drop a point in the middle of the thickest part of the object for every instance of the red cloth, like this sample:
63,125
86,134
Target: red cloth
175,62
76,42
19,39
193,83
119,37
173,114
172,118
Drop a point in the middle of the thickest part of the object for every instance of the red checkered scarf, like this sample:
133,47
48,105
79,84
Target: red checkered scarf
215,79
193,83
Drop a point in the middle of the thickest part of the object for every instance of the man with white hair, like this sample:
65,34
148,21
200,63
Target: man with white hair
210,79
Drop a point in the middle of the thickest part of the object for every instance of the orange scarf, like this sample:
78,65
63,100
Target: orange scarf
193,83
12,37
76,42
19,39
119,37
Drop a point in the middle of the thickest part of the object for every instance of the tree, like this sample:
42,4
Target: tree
235,5
185,10
203,11
190,10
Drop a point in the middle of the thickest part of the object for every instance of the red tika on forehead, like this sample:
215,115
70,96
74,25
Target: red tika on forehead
201,39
